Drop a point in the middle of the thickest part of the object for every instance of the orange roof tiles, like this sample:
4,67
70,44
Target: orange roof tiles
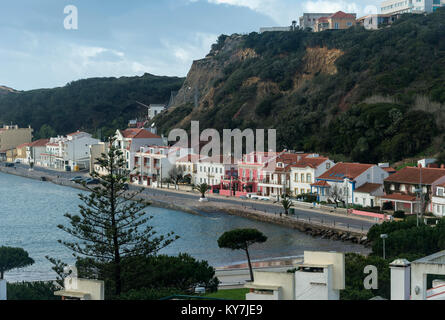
368,187
341,15
341,171
139,134
411,175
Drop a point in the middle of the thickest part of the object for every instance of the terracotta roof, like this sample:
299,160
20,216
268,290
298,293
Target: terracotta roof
39,143
23,145
321,184
342,15
139,134
400,197
345,170
411,175
390,169
369,187
322,19
310,162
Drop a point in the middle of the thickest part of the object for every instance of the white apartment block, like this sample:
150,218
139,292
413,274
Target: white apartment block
410,6
70,153
131,140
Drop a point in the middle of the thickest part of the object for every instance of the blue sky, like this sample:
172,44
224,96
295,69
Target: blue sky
130,37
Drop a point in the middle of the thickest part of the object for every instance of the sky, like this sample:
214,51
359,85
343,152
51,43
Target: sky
131,37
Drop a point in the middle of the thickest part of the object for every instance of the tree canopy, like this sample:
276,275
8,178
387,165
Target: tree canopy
13,258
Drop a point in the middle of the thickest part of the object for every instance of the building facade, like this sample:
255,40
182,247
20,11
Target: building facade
337,21
410,6
11,137
308,20
341,182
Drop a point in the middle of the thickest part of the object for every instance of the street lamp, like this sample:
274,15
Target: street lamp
383,237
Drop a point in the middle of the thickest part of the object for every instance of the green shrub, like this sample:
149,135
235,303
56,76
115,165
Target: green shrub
32,291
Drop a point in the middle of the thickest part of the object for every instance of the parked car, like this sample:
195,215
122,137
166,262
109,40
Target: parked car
77,179
9,165
91,181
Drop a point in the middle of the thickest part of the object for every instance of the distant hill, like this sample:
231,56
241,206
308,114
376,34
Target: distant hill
356,94
5,90
97,104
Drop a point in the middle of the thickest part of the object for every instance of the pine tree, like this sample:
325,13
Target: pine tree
112,223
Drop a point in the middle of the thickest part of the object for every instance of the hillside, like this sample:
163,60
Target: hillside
354,94
97,104
5,90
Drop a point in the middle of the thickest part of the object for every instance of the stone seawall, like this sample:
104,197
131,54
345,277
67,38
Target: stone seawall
313,229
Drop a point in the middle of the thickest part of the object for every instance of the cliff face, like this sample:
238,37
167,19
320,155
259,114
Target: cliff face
354,93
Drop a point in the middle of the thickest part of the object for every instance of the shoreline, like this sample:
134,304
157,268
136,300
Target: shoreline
173,201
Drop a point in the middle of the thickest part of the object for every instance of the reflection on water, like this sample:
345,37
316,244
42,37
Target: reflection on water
31,210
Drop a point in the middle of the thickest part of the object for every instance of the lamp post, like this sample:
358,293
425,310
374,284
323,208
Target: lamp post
383,237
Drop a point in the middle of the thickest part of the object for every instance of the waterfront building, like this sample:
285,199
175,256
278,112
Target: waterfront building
131,140
403,188
341,182
68,153
303,174
34,151
276,180
213,170
153,164
21,152
11,137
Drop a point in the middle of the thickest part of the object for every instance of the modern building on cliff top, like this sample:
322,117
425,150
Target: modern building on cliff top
410,6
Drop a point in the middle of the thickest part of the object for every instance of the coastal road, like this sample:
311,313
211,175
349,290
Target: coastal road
301,214
170,196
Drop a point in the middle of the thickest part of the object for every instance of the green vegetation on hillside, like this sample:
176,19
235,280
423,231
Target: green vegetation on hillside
384,102
97,104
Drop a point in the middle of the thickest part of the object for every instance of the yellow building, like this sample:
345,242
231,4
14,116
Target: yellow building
337,21
11,137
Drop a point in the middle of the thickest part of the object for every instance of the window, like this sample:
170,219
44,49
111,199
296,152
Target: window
308,177
336,26
328,166
302,178
296,177
440,192
349,24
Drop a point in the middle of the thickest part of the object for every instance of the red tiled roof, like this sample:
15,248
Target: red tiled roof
320,184
342,15
368,187
309,162
23,145
39,143
411,175
345,170
322,19
139,134
400,197
390,169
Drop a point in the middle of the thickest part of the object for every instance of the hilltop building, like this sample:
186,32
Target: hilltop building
337,21
308,20
410,6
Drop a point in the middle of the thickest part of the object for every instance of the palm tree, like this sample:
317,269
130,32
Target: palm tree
287,204
202,188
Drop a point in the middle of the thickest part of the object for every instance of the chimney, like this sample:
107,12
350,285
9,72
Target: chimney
400,279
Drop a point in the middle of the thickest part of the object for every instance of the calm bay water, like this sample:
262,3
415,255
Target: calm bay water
31,210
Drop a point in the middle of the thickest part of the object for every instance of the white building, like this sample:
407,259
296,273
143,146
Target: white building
70,153
34,152
368,194
410,6
213,170
153,164
131,140
320,277
308,19
155,109
303,174
438,200
343,179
